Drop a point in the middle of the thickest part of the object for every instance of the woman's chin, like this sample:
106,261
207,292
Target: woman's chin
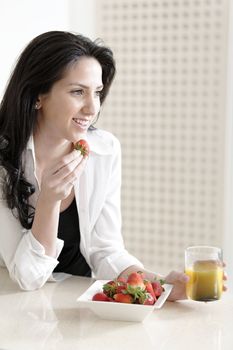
78,136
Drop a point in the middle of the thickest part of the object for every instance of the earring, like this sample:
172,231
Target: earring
37,106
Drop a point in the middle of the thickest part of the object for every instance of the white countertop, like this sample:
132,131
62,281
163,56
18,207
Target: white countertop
49,319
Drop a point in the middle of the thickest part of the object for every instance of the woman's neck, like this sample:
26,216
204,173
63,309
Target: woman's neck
49,150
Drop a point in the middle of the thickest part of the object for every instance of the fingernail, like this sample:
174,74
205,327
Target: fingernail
77,152
185,278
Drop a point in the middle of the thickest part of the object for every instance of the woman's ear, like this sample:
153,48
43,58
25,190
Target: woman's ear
38,103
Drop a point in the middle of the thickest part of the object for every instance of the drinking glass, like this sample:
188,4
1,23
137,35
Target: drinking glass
204,266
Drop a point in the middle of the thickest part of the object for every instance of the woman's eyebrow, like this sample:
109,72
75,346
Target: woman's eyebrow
85,86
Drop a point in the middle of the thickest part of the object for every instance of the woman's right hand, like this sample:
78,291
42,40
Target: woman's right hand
179,281
57,182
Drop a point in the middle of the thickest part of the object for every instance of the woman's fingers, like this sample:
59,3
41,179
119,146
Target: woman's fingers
179,280
73,176
224,279
58,181
67,166
65,161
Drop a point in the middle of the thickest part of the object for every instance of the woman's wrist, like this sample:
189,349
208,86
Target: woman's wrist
48,201
45,224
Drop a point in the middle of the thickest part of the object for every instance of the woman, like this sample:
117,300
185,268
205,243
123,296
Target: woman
60,211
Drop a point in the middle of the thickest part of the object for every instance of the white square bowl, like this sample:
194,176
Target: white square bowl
119,311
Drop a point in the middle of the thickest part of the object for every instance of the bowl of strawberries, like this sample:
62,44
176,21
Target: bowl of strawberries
125,299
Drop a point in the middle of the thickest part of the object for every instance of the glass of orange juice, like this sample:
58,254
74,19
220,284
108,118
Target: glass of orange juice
204,266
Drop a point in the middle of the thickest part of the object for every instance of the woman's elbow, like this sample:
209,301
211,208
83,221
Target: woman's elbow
26,280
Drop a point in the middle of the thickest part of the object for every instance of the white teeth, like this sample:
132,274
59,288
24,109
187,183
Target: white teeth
81,122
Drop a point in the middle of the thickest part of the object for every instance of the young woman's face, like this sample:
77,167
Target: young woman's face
69,108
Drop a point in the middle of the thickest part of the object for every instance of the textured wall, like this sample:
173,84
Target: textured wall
167,107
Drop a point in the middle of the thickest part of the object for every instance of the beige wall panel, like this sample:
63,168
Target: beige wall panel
167,107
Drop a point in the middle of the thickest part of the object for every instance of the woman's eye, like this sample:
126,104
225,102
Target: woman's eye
99,92
80,92
77,92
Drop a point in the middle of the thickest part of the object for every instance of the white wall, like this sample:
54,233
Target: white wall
22,20
82,17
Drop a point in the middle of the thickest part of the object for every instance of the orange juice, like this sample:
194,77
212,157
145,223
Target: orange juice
206,280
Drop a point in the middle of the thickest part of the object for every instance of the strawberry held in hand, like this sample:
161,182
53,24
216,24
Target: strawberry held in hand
83,147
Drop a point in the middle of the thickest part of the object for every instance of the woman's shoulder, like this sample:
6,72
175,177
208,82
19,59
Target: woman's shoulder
102,141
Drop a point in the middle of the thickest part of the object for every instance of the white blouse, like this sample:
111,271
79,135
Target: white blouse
98,201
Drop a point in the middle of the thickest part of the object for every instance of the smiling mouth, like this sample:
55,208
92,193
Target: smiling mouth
82,123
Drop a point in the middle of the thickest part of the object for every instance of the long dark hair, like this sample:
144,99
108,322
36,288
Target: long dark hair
41,64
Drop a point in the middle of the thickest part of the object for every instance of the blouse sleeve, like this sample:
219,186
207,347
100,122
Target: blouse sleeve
22,254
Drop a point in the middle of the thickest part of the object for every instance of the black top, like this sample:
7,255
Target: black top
71,260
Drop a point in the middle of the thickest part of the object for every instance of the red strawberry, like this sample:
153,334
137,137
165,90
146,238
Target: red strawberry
149,288
110,288
100,297
112,283
121,280
135,280
83,147
121,288
158,289
123,298
149,299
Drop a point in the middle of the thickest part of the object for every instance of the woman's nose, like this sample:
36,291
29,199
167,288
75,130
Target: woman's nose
91,105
